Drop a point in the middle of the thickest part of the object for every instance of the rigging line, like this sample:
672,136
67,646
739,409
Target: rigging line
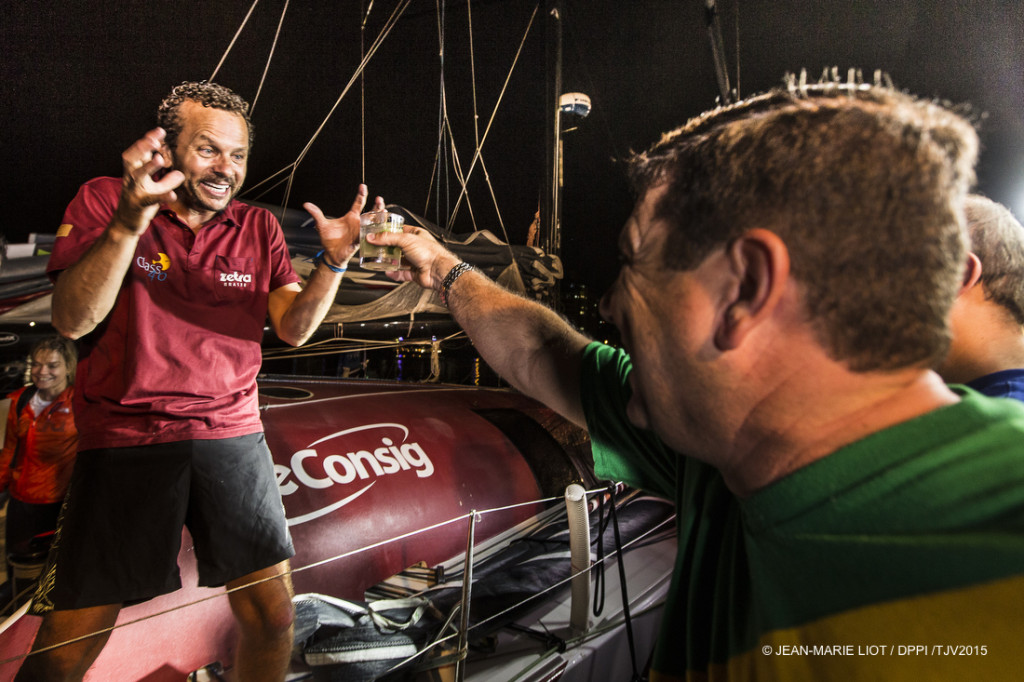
405,536
362,88
349,344
458,175
445,124
440,170
463,180
441,155
390,24
622,581
736,8
430,185
569,579
354,343
269,189
442,639
308,352
497,104
714,30
469,205
451,336
497,210
270,57
359,70
270,177
317,354
232,43
315,564
472,73
476,127
569,642
320,563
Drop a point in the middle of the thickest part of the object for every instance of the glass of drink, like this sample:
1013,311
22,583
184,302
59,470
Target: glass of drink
374,256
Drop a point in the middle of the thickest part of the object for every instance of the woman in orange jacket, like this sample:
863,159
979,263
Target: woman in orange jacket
40,442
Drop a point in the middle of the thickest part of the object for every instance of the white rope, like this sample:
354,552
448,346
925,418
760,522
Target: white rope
399,10
362,88
232,43
440,155
441,639
446,135
739,92
476,119
445,132
597,562
345,555
494,112
315,564
457,165
476,136
270,57
314,349
268,179
497,210
472,71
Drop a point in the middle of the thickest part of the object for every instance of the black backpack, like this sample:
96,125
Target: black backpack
23,399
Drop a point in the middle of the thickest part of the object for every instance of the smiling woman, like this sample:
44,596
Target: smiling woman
39,445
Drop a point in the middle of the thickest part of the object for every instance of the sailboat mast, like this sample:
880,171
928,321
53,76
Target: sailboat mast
550,237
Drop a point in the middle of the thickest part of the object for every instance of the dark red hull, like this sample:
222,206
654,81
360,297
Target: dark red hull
359,464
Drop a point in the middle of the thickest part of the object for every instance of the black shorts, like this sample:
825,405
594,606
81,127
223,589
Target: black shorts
120,529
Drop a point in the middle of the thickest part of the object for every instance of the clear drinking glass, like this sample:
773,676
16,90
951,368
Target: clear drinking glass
374,256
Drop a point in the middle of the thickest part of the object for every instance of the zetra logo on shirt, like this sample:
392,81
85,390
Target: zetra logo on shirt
235,279
234,273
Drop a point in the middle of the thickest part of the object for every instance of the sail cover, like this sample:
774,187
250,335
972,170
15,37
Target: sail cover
363,295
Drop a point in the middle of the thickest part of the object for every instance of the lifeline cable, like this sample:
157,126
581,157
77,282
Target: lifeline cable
360,550
622,580
599,582
593,633
315,564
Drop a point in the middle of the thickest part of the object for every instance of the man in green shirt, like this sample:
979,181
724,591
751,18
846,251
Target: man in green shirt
787,277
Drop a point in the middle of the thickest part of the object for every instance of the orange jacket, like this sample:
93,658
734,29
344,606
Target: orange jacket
46,446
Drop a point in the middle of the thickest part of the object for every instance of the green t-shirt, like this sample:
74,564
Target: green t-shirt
898,556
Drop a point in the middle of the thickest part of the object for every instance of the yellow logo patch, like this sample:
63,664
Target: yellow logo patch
64,230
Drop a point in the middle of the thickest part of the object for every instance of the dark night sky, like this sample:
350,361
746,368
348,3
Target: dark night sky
81,81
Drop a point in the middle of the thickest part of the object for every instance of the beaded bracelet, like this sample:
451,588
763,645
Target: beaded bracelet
461,268
319,258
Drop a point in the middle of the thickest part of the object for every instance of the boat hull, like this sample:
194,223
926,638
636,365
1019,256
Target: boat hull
375,477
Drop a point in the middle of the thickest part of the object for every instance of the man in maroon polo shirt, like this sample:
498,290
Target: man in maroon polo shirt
168,282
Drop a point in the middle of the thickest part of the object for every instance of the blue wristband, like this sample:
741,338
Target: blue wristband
319,258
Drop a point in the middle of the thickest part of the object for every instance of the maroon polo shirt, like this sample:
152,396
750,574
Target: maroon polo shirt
177,357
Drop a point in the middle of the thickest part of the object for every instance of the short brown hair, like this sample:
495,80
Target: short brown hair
206,93
997,239
65,348
865,185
